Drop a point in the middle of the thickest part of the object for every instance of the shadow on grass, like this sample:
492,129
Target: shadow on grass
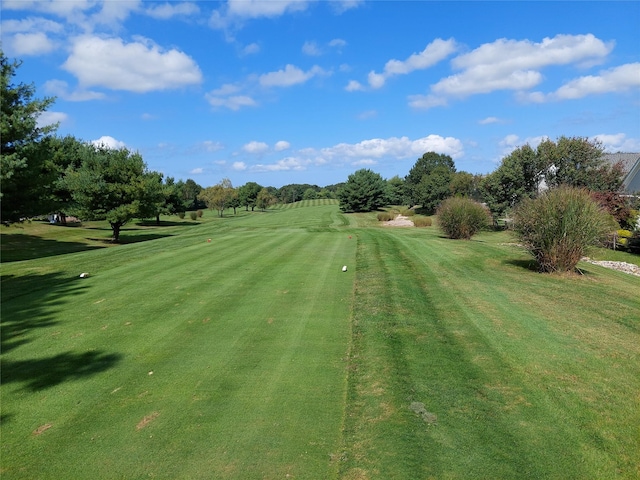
41,373
16,248
166,223
128,239
29,303
527,264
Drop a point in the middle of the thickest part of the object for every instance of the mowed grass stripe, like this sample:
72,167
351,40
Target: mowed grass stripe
498,390
248,377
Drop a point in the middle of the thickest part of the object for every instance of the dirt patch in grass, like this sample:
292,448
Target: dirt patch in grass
356,474
42,428
147,420
399,221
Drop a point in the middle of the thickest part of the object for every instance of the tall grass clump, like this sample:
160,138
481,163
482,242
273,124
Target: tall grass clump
407,212
422,221
558,227
460,217
385,216
193,215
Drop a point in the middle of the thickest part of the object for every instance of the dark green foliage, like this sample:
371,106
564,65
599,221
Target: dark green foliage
576,162
461,218
109,185
427,183
558,227
396,192
265,199
364,191
518,177
193,216
248,195
24,169
181,215
294,192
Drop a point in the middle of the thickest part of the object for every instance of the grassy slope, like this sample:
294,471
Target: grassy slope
246,338
510,374
520,375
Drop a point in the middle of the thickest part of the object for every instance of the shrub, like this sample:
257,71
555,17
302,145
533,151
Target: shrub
407,212
623,237
385,216
460,217
199,213
181,215
558,227
193,215
422,221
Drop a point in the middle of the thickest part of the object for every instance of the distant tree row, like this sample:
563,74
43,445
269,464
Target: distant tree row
523,174
41,173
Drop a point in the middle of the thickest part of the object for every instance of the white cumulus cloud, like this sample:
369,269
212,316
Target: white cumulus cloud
49,118
511,65
167,10
433,53
618,142
281,145
289,76
617,79
107,141
255,147
140,66
239,166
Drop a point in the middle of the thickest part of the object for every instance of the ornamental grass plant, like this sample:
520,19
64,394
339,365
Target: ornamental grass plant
461,218
560,226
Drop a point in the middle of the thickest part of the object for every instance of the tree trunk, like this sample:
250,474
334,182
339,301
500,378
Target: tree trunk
157,219
115,227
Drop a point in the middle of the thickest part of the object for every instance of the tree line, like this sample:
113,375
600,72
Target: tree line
41,173
523,174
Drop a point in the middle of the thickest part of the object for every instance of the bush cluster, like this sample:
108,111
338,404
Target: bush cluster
558,227
199,213
407,212
385,216
181,215
422,221
193,215
461,218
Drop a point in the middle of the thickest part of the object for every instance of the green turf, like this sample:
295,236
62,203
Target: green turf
255,356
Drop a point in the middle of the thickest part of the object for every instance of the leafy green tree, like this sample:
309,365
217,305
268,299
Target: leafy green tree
108,185
160,198
265,199
433,189
465,184
248,195
364,191
310,194
19,160
396,194
219,196
419,183
518,177
189,192
575,162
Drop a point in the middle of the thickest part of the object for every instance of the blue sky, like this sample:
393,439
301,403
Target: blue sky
304,91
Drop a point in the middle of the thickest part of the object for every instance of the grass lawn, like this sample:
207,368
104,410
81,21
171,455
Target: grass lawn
254,356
